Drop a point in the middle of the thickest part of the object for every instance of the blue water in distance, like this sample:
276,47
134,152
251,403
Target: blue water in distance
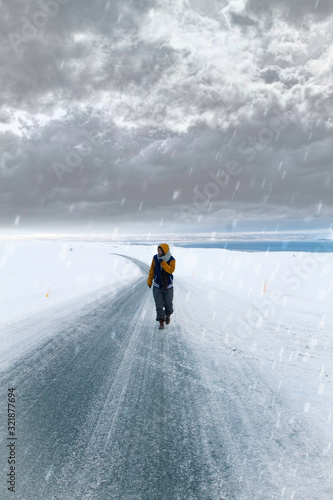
265,246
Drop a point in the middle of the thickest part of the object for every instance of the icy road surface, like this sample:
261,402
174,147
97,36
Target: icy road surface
110,407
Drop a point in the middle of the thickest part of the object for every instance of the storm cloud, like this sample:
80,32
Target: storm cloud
119,113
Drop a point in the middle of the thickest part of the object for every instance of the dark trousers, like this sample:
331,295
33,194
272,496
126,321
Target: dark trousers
163,299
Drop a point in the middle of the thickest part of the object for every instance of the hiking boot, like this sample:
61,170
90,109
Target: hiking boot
161,324
167,321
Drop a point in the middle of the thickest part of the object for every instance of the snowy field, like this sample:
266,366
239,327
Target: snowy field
248,353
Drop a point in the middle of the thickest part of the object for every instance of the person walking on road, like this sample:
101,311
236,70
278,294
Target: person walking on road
161,278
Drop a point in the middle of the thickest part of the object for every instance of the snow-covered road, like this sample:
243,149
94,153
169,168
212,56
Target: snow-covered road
110,407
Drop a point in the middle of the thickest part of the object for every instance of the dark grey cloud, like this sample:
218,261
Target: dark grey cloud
294,11
242,20
270,74
121,111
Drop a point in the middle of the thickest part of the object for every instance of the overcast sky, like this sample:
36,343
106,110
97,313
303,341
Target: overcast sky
163,115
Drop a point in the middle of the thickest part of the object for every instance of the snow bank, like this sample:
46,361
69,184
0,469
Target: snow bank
38,274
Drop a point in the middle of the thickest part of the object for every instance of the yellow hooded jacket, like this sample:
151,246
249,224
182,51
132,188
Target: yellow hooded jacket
168,268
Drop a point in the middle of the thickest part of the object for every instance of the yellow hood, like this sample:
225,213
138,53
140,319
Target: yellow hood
164,247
